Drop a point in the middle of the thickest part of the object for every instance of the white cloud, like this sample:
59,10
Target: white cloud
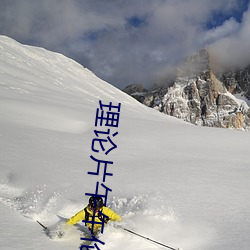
233,50
228,28
97,32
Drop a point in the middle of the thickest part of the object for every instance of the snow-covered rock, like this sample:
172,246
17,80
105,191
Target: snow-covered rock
199,97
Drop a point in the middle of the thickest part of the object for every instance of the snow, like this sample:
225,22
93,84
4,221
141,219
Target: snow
183,185
242,99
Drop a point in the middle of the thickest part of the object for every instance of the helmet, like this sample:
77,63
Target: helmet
98,200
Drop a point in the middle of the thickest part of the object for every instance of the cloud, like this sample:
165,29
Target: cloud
232,50
121,41
228,28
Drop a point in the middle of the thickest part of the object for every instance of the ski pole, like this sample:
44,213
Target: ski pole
159,243
45,228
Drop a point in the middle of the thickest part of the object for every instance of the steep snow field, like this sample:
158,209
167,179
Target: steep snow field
179,184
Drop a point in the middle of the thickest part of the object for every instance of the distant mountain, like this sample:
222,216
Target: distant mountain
237,81
201,95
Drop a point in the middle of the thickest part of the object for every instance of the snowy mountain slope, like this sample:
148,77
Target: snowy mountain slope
182,185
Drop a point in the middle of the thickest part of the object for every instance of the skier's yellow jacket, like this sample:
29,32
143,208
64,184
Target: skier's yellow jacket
81,215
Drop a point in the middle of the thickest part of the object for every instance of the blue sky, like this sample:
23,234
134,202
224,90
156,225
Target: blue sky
218,17
131,41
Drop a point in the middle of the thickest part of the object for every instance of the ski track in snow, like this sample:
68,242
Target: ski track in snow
143,214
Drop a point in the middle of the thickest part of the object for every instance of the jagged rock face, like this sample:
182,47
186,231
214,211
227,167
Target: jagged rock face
205,102
133,88
237,81
199,97
137,91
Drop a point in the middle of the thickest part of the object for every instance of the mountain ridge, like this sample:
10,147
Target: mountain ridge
200,95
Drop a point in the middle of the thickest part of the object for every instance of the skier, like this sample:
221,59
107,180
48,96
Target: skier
101,217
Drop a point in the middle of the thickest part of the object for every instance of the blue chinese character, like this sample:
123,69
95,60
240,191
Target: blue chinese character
98,167
97,195
91,239
103,140
104,217
112,118
89,247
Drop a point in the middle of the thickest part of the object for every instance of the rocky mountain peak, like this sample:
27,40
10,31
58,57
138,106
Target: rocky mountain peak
196,64
200,96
